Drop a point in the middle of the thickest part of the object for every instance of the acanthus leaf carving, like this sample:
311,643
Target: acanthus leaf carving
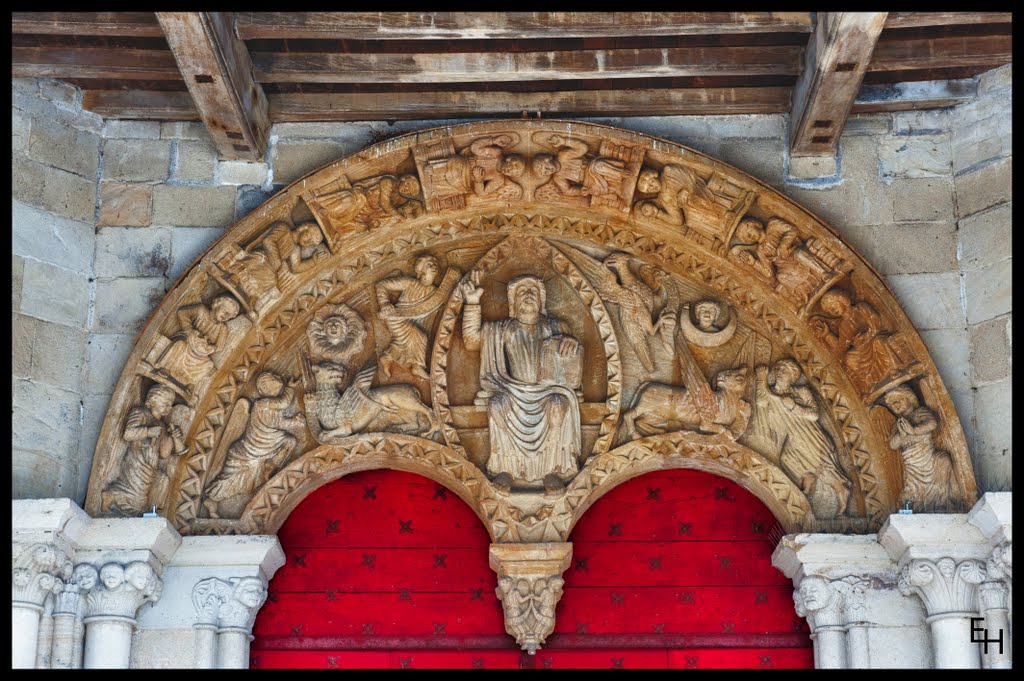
36,571
122,589
944,585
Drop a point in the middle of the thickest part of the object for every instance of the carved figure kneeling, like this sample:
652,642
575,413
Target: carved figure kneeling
660,408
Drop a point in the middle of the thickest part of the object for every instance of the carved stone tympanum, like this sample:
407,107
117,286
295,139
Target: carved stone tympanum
529,312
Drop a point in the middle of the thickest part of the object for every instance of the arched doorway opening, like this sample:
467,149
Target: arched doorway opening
388,569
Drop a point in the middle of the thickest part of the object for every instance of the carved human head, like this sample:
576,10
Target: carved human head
513,165
786,372
249,591
140,575
649,181
224,308
707,313
337,332
309,234
85,576
526,298
409,185
112,575
544,165
159,400
901,400
815,593
427,269
269,384
836,303
749,231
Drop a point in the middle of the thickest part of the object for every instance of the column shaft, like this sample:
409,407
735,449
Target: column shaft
233,649
206,646
108,642
858,654
64,641
952,641
830,648
24,634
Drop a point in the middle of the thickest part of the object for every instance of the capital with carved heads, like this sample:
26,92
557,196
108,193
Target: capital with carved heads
821,602
121,590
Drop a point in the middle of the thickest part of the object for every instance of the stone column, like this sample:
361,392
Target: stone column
227,610
529,586
1000,566
37,571
993,597
858,654
822,604
67,619
110,612
949,590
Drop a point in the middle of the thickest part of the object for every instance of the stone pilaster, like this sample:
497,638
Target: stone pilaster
529,587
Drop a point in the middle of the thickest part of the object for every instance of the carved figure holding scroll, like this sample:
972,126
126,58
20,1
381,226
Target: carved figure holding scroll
854,333
787,416
571,173
203,331
660,408
265,445
530,367
418,297
927,472
154,440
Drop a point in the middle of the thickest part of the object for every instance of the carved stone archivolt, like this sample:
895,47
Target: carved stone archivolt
529,312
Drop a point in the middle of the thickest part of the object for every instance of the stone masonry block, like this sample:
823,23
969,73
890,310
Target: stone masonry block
240,172
923,122
59,91
129,252
123,305
813,167
982,140
760,158
993,459
53,189
186,245
39,108
55,294
196,161
991,357
126,129
849,203
905,248
40,475
932,301
136,160
928,199
985,238
64,147
859,160
986,186
23,329
918,156
186,206
58,354
21,124
989,291
996,80
106,355
45,419
186,130
47,237
949,348
250,197
292,160
125,205
94,409
17,275
866,124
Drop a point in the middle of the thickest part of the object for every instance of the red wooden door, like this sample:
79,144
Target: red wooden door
387,569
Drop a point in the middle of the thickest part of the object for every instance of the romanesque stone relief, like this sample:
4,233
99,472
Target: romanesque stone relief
531,311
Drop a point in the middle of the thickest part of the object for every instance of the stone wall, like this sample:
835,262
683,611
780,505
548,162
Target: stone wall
923,196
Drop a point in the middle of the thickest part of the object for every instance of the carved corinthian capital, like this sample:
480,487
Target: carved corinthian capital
229,604
37,570
122,589
529,586
993,596
821,602
945,586
1000,563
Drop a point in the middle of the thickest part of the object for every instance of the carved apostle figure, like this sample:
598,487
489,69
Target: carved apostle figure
154,440
927,471
571,173
775,252
368,203
529,369
854,333
786,422
482,170
265,446
290,253
203,331
418,297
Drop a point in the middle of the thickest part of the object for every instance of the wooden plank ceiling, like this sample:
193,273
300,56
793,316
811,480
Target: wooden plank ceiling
245,70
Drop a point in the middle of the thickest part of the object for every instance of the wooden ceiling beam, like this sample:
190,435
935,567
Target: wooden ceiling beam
134,24
304,67
837,56
941,53
919,19
149,105
923,94
93,62
219,75
509,25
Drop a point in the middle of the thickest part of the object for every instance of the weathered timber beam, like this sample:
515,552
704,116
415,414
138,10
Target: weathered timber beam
305,67
133,24
647,102
918,19
940,53
93,62
219,75
923,94
518,25
427,105
837,56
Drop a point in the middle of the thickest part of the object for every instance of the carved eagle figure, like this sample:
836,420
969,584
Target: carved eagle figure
616,283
